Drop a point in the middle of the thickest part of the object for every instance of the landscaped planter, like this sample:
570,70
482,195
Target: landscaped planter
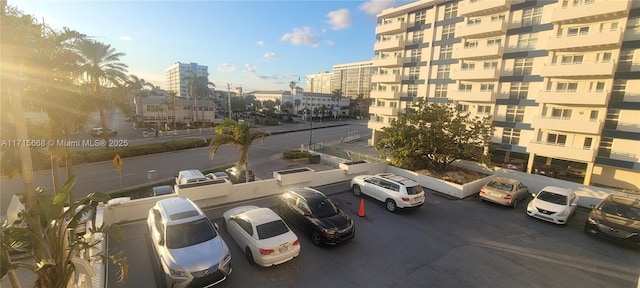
294,176
355,167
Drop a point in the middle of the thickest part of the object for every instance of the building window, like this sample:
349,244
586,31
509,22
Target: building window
593,116
588,141
487,87
448,31
557,139
471,45
484,109
523,66
446,51
418,36
519,90
494,42
443,71
421,18
566,86
560,113
441,91
515,114
531,16
495,18
462,108
464,87
472,22
605,147
416,55
575,31
527,41
626,60
412,90
511,136
414,73
450,11
490,65
468,66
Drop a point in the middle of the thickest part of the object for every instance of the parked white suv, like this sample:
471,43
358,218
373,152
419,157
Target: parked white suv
189,248
396,191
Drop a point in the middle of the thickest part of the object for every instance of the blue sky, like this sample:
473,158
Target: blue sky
258,45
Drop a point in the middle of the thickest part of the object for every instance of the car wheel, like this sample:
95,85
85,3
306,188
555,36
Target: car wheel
391,205
316,238
515,203
356,190
247,252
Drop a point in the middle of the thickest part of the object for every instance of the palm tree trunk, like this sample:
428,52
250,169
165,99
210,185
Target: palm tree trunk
55,172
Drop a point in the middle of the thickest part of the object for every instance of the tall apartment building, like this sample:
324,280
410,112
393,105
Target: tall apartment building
319,83
353,78
176,73
560,79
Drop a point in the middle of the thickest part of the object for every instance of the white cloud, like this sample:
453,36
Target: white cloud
374,7
260,43
301,36
339,19
270,55
249,68
226,67
328,42
126,38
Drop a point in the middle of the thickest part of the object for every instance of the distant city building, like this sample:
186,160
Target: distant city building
353,78
319,83
159,111
176,73
306,101
560,80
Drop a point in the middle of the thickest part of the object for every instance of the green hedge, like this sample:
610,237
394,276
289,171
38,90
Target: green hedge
97,155
295,154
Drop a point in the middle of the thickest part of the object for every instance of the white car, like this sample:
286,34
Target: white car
553,204
396,191
263,236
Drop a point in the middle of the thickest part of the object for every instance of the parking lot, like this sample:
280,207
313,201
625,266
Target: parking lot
445,243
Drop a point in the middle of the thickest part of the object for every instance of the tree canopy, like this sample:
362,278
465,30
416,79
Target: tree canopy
432,136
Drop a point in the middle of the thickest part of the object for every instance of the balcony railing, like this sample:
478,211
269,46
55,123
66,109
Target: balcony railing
380,110
569,125
472,96
583,69
585,41
385,94
386,78
598,10
574,97
563,152
486,7
475,74
479,52
391,27
481,30
387,61
391,44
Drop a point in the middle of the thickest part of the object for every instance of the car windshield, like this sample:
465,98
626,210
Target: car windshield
501,186
271,229
620,210
189,234
552,197
413,190
324,208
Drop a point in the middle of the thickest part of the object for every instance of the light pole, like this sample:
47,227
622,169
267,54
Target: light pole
229,98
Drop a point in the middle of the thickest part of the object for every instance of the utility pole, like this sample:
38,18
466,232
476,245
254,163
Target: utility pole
229,98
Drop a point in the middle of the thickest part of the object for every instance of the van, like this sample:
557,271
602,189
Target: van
190,176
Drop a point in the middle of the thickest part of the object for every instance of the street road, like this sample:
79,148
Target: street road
102,176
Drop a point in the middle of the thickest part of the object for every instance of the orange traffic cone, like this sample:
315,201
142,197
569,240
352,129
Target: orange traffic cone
361,210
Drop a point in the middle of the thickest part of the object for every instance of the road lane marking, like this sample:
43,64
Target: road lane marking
117,177
102,171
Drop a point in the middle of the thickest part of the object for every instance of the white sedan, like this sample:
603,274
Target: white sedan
553,204
263,236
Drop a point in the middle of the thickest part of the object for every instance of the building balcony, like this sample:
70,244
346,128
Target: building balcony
481,30
389,45
472,96
599,10
481,52
596,98
476,74
386,111
385,94
562,152
387,61
579,69
568,125
386,78
474,8
376,125
584,42
391,27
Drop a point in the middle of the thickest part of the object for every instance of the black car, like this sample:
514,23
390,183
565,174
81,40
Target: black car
546,170
317,215
239,176
616,218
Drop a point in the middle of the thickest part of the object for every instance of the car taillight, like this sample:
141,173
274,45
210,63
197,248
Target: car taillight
508,197
482,191
297,242
266,251
405,199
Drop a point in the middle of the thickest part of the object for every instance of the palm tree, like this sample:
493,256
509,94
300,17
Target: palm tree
137,85
293,85
102,69
237,134
337,96
198,87
297,103
171,95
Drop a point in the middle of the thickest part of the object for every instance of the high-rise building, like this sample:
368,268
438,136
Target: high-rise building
176,73
353,78
560,79
319,83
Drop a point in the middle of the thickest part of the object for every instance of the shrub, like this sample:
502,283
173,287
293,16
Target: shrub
295,154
